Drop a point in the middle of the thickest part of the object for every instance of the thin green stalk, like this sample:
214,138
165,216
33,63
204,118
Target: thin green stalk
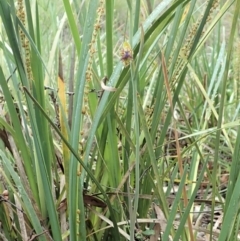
72,25
133,217
137,14
133,207
221,113
109,35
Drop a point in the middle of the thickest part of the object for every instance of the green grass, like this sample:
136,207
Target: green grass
91,146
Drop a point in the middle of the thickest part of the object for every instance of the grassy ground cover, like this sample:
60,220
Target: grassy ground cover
119,120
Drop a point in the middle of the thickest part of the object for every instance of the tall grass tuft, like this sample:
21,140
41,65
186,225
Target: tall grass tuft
119,121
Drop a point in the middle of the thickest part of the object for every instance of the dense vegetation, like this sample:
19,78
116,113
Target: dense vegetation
119,120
